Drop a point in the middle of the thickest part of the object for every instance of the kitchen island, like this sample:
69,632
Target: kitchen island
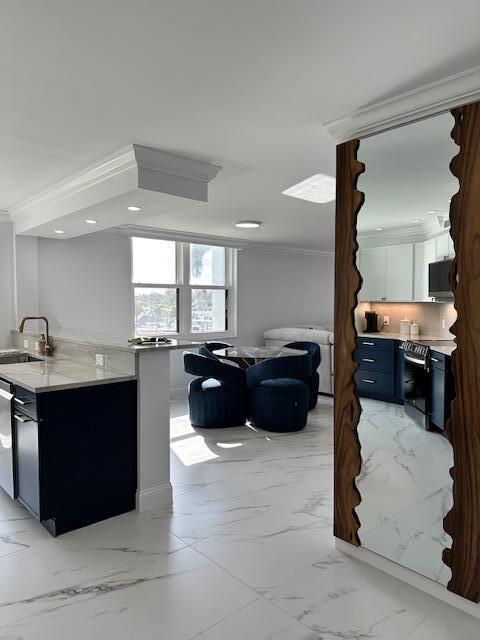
91,432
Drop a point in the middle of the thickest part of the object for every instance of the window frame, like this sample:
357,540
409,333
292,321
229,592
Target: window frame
184,288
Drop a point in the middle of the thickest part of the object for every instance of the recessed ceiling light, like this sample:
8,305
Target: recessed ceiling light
248,224
432,211
133,208
319,188
91,221
379,229
415,220
59,231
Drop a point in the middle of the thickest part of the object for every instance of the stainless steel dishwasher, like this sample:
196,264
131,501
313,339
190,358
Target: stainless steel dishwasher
6,436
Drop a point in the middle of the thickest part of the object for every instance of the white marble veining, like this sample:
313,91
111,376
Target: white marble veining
406,489
53,374
246,552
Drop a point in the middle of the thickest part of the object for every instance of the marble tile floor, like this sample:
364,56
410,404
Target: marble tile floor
406,489
246,552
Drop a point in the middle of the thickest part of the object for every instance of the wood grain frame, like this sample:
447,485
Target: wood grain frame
463,521
347,285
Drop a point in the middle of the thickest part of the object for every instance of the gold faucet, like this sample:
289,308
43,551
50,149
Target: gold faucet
46,347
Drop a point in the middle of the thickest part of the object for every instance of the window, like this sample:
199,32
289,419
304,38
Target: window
185,289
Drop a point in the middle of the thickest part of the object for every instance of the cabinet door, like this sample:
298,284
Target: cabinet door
437,397
28,484
372,269
424,254
399,273
443,246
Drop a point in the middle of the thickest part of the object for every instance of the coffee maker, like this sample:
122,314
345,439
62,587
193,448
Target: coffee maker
372,322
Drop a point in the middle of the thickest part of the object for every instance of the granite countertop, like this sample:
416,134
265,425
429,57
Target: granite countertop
54,374
423,337
113,341
436,343
447,350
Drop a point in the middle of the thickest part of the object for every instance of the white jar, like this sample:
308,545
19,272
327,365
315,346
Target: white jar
414,329
405,326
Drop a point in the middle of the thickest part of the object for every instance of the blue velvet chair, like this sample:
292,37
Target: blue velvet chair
219,397
313,380
212,346
279,398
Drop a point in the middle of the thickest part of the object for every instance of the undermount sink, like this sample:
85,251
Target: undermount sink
17,358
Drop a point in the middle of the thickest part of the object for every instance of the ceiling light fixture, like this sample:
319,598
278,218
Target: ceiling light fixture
134,208
59,231
91,221
415,220
319,188
248,224
379,229
432,211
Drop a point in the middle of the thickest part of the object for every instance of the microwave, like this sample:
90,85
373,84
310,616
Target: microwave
438,284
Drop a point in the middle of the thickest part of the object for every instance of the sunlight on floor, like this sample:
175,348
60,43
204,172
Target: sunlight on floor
192,450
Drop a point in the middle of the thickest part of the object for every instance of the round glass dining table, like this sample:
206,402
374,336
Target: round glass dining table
247,356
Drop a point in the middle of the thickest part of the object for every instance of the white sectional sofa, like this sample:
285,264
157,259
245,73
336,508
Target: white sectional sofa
323,336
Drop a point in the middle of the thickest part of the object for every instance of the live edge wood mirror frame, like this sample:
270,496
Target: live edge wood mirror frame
462,522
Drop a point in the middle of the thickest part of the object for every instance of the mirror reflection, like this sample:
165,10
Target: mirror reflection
404,346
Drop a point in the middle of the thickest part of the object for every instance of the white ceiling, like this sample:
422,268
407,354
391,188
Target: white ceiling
407,175
241,84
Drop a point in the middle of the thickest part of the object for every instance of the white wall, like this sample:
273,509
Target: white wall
26,278
85,284
6,282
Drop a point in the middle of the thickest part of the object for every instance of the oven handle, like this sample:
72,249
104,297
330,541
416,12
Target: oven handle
5,394
415,360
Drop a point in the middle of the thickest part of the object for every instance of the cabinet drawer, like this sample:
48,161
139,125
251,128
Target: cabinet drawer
372,360
438,360
372,382
379,344
25,401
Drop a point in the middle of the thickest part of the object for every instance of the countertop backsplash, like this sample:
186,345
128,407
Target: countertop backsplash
428,315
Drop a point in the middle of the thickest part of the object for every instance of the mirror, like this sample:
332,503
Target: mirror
404,346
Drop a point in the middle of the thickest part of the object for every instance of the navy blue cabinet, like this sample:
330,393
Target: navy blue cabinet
441,389
375,377
76,454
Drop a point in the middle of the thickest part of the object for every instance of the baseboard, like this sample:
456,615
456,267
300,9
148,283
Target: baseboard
159,496
179,394
410,577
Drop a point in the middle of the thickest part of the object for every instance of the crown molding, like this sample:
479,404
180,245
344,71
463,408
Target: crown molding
401,235
266,247
201,238
131,168
179,236
425,101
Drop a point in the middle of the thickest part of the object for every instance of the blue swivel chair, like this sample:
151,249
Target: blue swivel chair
219,397
313,380
279,398
212,346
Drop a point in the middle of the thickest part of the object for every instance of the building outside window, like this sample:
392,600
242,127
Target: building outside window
185,289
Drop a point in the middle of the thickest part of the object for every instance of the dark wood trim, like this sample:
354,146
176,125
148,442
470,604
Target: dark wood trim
463,521
347,285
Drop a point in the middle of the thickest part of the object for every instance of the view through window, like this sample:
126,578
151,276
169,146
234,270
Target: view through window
180,288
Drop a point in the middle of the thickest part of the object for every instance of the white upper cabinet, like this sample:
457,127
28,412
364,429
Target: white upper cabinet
399,273
444,247
372,267
424,254
387,273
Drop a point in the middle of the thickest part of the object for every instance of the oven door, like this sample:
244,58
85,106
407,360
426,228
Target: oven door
6,435
415,383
